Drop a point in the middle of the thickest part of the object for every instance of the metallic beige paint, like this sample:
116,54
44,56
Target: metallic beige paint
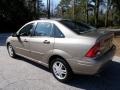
72,48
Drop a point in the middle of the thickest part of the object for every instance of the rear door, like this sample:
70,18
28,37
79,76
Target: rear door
41,43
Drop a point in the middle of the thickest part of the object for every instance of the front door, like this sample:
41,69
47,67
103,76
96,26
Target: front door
21,43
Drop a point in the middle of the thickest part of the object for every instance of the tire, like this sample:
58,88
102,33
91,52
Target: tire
61,70
11,51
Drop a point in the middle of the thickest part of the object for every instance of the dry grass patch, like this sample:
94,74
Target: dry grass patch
116,41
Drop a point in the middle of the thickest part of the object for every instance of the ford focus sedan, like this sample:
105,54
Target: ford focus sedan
64,46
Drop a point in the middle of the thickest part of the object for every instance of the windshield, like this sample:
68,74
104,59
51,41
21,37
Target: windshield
77,27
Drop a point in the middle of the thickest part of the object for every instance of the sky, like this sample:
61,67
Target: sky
54,3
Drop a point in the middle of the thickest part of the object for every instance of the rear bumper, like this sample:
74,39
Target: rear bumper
92,66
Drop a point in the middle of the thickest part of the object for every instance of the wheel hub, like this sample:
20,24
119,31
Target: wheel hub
59,70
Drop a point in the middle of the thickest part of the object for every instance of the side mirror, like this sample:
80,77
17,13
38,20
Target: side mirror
18,35
15,35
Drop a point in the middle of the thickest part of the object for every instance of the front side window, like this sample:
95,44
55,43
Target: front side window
43,29
26,31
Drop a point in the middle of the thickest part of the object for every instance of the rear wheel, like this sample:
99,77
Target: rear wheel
11,51
61,70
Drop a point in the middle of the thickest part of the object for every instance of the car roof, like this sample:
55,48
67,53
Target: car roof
56,19
50,20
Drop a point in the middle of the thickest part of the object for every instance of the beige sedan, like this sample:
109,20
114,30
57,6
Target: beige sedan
64,46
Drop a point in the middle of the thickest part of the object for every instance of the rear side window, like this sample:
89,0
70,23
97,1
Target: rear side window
57,33
43,29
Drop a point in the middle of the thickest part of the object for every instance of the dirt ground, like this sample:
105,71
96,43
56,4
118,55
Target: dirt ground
116,41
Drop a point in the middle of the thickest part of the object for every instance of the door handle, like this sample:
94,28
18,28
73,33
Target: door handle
46,42
25,40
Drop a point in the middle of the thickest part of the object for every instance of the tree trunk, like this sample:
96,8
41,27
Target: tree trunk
96,12
87,11
73,10
107,12
48,7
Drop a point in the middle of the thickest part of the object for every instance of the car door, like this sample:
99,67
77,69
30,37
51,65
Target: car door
21,42
41,44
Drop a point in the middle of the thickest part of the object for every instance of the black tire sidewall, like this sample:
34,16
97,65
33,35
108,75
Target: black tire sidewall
13,56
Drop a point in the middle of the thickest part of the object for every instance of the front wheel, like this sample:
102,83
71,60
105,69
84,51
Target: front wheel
61,70
11,51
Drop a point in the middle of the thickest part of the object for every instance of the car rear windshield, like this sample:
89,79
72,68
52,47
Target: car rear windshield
77,27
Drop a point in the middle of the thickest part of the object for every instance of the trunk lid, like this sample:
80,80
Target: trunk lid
104,37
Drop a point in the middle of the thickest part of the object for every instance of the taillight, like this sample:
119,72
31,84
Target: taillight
95,50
